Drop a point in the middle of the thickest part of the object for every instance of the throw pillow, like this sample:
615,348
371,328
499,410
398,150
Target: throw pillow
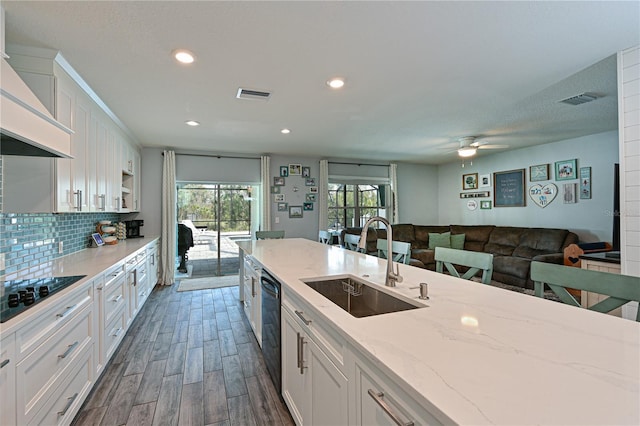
439,240
457,241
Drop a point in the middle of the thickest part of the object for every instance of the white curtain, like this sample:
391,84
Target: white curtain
323,191
393,176
265,207
168,230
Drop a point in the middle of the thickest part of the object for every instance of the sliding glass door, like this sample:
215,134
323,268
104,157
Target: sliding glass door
217,214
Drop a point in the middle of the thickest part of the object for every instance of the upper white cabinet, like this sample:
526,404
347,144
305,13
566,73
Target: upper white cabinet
92,181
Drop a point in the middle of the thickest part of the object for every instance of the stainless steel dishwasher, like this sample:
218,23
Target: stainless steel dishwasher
271,292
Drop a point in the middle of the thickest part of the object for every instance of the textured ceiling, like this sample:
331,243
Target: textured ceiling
419,74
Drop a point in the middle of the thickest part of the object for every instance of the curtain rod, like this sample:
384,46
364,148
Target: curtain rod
359,164
216,156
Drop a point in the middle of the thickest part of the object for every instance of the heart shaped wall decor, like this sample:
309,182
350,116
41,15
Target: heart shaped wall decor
543,195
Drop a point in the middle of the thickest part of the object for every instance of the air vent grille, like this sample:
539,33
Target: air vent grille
253,94
582,98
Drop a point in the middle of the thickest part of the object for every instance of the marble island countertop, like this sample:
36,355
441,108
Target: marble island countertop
477,354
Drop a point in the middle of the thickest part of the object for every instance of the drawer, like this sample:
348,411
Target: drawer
37,374
115,294
114,331
43,323
327,338
114,273
67,398
7,379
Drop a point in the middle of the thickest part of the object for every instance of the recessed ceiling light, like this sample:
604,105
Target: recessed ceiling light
285,131
183,56
192,123
336,83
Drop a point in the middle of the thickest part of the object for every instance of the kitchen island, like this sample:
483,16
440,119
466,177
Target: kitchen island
474,354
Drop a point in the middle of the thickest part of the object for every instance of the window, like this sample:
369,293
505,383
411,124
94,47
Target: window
351,205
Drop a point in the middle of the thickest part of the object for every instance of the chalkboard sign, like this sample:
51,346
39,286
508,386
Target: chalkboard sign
508,189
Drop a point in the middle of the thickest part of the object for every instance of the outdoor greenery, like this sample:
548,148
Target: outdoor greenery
199,203
352,205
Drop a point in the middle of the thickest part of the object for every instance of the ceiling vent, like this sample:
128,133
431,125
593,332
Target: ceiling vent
582,98
253,94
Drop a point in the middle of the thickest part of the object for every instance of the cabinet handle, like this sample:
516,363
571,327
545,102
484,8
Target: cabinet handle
64,314
153,259
99,288
378,398
70,348
117,332
301,344
253,287
5,362
117,299
78,195
69,404
117,203
304,320
135,277
103,203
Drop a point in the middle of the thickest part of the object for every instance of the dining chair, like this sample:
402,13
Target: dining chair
401,251
475,261
351,242
269,235
325,237
621,289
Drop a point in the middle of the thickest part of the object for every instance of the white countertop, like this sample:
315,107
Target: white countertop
89,262
480,354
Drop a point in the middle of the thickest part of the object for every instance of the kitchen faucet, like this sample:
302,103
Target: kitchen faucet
392,277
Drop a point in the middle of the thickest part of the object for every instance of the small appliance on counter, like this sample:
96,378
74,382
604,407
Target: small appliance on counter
133,228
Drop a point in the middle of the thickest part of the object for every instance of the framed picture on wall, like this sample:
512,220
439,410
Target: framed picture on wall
295,169
278,181
283,207
275,189
284,171
485,204
278,198
307,206
539,172
485,181
566,169
306,171
508,189
295,212
311,198
470,181
569,193
585,183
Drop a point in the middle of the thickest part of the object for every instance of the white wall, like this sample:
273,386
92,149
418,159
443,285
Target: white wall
151,191
417,194
590,219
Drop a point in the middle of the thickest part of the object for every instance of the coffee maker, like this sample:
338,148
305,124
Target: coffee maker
133,228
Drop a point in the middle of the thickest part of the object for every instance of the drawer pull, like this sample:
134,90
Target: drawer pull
301,343
378,398
66,312
117,332
5,362
99,288
301,316
116,299
70,348
69,404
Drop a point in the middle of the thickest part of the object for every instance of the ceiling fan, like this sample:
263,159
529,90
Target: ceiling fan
468,146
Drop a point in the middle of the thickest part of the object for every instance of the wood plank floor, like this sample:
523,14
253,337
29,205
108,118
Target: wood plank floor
188,358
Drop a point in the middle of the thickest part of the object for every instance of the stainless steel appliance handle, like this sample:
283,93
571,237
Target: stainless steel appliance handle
300,315
378,398
270,288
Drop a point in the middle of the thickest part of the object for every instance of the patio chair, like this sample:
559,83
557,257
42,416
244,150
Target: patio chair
197,232
621,289
476,261
401,251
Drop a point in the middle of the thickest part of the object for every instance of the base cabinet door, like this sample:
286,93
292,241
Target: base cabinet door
312,386
8,379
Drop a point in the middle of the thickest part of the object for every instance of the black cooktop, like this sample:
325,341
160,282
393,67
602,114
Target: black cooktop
19,295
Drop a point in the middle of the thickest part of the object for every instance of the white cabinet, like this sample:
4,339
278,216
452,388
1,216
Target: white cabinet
252,303
152,265
111,312
8,379
313,387
380,401
137,289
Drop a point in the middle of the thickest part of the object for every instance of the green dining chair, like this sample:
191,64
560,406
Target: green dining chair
475,261
325,237
621,289
269,235
401,251
351,242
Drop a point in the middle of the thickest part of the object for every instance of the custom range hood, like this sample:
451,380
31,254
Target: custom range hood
27,128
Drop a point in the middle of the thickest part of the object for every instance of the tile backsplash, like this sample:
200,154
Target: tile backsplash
29,239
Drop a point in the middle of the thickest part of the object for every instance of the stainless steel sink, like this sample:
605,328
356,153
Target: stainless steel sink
358,298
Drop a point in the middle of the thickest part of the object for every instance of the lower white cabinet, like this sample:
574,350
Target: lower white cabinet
8,379
252,303
152,265
136,270
314,389
110,303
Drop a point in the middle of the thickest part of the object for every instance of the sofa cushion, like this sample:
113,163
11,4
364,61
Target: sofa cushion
421,233
511,265
457,241
403,232
506,235
476,236
439,240
425,256
544,240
